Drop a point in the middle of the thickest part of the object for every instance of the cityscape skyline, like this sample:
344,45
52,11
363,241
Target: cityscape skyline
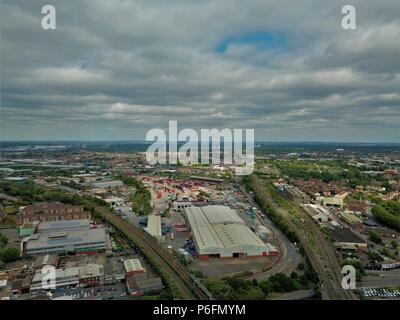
200,158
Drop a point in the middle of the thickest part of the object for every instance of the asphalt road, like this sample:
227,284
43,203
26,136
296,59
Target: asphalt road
380,279
288,251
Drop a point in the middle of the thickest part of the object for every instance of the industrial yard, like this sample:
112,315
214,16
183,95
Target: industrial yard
172,225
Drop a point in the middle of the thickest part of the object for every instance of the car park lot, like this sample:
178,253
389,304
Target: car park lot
380,293
98,293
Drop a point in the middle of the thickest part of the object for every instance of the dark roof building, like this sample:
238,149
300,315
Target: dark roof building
348,240
139,287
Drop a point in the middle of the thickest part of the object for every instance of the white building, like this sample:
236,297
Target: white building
219,232
65,236
154,227
63,278
133,266
110,184
333,201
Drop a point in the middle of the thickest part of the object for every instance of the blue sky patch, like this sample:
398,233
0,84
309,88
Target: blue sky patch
263,40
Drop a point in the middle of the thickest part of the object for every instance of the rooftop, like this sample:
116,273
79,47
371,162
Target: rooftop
154,225
60,274
219,228
38,241
47,259
133,265
52,226
346,235
221,214
91,270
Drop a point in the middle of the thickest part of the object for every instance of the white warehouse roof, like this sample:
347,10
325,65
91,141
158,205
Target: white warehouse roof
154,225
237,235
132,265
206,237
221,214
216,230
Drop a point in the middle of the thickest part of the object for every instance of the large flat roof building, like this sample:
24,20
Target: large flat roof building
221,214
63,225
110,184
66,241
219,232
205,237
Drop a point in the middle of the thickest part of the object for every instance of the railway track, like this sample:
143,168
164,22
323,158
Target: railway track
191,287
332,278
331,258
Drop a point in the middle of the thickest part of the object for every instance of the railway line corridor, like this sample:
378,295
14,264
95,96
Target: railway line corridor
173,271
320,252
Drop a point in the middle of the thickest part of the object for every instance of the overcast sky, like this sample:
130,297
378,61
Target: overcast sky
115,69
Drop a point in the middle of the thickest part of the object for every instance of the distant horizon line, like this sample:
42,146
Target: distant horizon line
149,142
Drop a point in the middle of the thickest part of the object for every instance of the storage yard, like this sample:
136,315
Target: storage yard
202,221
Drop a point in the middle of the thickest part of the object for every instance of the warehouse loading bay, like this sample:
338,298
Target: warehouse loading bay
238,226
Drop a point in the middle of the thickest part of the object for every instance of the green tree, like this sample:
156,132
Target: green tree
220,289
10,254
374,237
254,293
300,266
282,283
265,286
388,214
3,240
375,256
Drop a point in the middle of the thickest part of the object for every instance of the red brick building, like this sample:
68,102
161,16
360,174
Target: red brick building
51,212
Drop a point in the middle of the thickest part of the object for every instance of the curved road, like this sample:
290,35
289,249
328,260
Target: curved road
320,252
288,252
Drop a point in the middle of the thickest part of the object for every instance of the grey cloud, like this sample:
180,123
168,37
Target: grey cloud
114,69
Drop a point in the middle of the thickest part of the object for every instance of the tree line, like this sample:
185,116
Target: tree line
388,213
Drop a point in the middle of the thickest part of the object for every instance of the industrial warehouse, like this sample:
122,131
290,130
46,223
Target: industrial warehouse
218,232
65,236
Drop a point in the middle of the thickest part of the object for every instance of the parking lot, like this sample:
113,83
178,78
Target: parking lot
380,293
102,292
